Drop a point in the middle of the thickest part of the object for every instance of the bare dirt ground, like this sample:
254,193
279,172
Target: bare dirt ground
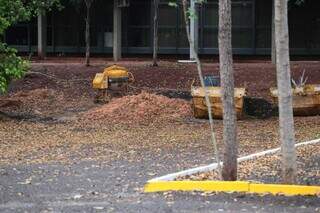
50,119
56,109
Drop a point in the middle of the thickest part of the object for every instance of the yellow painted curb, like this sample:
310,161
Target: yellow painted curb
160,186
231,186
288,190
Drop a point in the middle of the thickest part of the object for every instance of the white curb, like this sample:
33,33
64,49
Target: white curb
210,167
186,61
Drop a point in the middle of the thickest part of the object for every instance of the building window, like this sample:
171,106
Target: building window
139,24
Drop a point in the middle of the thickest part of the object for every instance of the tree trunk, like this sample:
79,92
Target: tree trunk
229,171
289,166
273,38
88,5
155,33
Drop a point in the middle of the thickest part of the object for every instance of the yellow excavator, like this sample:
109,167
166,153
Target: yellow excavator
113,80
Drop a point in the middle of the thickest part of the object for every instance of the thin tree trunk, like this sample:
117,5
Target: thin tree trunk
273,39
199,69
230,154
88,5
289,166
155,33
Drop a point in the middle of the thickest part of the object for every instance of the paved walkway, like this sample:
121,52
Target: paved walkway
117,187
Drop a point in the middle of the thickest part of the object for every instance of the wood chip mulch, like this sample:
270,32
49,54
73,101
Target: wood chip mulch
267,169
142,108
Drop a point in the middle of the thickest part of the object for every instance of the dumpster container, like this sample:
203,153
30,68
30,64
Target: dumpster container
199,106
306,99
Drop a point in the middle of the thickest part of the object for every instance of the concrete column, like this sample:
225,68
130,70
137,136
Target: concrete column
116,31
194,29
42,35
273,36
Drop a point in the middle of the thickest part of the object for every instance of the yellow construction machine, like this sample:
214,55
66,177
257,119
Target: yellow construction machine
113,80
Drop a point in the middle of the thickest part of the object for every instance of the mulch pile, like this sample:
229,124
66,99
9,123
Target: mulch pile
142,108
267,169
35,101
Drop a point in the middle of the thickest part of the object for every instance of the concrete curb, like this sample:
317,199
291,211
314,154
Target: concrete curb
210,167
167,183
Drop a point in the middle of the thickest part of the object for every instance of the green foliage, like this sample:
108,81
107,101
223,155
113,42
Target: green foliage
11,12
190,12
37,6
11,66
295,3
298,2
173,4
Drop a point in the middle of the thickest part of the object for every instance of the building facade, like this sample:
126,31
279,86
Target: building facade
64,30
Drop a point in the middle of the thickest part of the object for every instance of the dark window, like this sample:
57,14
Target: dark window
210,38
183,39
139,24
211,15
167,37
263,23
17,35
139,37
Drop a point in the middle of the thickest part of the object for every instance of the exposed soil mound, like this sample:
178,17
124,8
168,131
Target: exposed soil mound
142,108
34,101
34,95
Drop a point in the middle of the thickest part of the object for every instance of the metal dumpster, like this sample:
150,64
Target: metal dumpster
306,99
199,106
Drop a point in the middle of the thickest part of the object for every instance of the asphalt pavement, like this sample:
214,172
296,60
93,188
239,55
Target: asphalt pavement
116,186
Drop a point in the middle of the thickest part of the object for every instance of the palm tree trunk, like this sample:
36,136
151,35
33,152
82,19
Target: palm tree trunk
229,171
289,166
